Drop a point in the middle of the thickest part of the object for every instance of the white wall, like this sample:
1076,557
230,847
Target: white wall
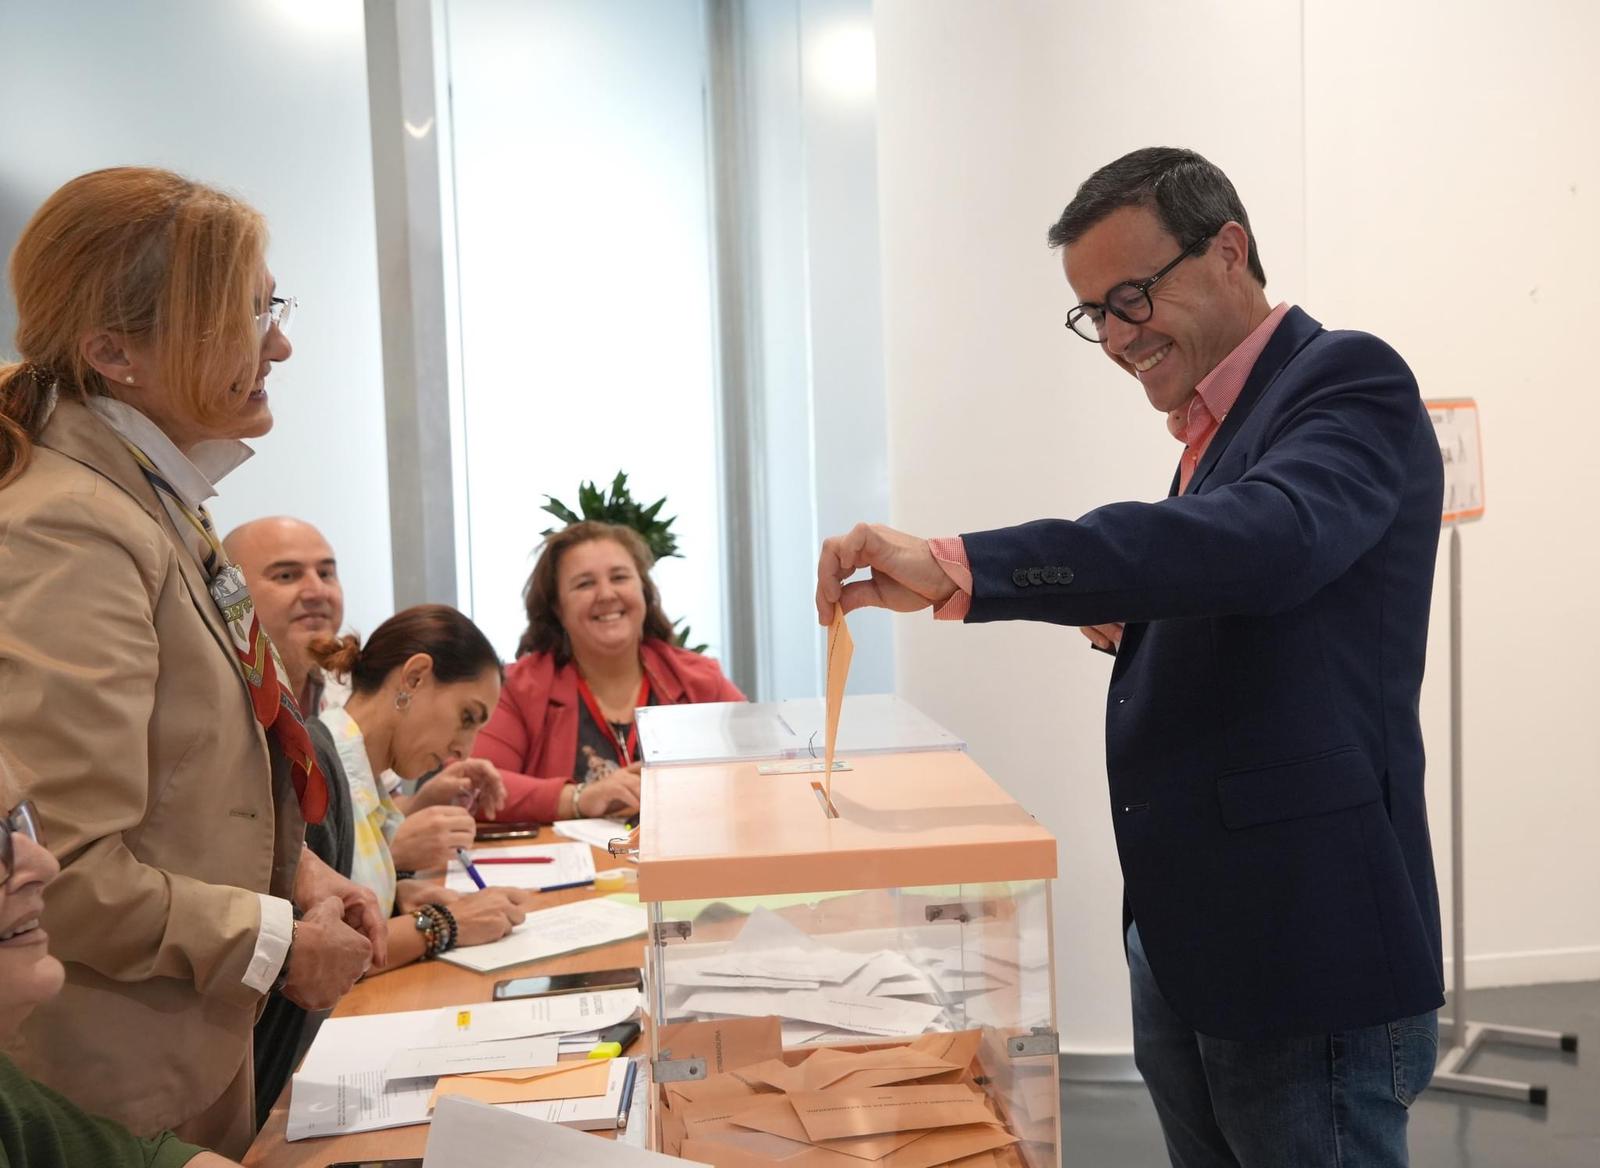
1452,210
1442,203
268,99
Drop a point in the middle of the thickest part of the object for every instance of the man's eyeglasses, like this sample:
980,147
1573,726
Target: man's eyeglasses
1129,301
280,310
21,819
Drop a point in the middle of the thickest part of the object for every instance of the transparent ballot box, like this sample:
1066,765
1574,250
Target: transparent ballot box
739,731
866,985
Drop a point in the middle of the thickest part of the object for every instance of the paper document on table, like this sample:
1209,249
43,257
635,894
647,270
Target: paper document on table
557,866
597,833
841,647
564,929
343,1085
863,1015
471,1058
524,1017
467,1134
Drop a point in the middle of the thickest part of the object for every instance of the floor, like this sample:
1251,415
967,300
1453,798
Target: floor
1114,1125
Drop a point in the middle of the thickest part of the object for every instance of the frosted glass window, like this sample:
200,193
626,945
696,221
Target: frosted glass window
269,101
582,224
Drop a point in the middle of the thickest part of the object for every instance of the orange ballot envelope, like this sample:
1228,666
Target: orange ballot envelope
725,1043
577,1079
756,1149
777,1116
836,1069
841,647
834,1115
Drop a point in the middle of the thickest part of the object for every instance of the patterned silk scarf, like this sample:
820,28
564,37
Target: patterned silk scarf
258,660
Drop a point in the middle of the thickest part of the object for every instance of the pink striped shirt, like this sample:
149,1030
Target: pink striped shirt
1194,424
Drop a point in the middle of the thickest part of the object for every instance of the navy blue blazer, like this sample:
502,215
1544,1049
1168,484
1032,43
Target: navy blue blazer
1262,740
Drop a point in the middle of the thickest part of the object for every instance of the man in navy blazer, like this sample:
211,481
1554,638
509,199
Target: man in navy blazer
1269,619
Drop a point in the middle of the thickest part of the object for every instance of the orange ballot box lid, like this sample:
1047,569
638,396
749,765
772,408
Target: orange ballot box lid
903,820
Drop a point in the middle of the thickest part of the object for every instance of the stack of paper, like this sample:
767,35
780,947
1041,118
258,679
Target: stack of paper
592,1095
825,993
552,866
380,1070
910,1106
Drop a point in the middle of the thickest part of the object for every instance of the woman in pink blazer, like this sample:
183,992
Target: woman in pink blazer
598,646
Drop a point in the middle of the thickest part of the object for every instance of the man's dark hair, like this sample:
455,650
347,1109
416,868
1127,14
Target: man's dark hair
1190,196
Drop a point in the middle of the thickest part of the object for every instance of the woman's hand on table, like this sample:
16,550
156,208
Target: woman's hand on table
487,916
615,795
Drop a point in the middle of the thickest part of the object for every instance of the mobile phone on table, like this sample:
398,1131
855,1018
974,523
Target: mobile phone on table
568,983
507,831
377,1164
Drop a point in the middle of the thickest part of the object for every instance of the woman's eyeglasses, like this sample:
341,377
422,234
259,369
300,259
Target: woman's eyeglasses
280,310
24,820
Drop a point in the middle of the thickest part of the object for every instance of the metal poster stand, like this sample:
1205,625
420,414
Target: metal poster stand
1463,502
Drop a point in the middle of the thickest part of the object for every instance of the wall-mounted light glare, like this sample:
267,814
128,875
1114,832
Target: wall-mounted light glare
842,61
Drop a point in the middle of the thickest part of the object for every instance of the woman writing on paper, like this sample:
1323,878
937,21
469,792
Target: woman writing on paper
421,687
597,647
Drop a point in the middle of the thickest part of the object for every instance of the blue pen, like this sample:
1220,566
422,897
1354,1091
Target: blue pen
627,1095
466,862
561,887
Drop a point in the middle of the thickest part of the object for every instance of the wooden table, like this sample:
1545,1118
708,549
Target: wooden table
425,985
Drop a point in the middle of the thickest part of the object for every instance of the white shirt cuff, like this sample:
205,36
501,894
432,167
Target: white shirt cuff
272,944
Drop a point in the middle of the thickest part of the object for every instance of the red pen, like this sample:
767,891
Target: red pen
513,859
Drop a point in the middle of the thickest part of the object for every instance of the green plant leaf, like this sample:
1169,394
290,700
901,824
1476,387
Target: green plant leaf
559,509
682,638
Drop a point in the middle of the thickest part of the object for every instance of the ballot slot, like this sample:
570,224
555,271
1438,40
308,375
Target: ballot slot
823,800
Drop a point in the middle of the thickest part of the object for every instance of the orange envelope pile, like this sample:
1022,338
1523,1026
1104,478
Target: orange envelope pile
913,1105
575,1079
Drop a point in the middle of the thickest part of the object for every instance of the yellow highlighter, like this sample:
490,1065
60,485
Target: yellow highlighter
606,1050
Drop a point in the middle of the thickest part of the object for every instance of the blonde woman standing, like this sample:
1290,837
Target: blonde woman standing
169,766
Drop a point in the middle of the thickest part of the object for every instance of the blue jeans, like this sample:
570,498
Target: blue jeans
1327,1101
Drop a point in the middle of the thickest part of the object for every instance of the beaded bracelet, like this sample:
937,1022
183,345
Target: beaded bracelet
451,928
433,930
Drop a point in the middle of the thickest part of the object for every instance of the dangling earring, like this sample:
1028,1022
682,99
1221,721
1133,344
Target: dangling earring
402,700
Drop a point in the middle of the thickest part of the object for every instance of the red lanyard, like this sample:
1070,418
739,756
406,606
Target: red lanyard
625,750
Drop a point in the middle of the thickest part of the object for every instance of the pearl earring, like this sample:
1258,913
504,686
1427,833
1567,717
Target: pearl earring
129,379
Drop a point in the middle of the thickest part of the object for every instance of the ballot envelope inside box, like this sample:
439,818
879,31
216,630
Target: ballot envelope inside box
785,933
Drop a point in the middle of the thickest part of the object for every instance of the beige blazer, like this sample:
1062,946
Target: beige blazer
120,697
